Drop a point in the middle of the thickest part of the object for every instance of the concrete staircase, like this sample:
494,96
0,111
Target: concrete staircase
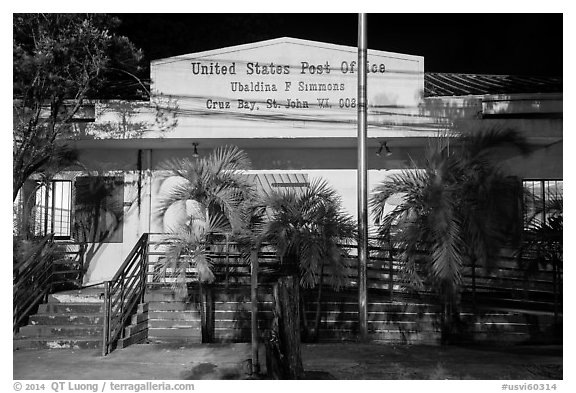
75,320
70,319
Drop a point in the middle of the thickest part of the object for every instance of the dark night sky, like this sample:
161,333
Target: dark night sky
520,44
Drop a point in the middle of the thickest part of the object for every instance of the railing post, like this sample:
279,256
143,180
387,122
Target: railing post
555,288
50,286
254,309
227,261
474,284
391,272
106,329
144,267
122,299
81,251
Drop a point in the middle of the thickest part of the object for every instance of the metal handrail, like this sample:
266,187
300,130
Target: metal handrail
69,268
501,284
31,281
123,293
37,276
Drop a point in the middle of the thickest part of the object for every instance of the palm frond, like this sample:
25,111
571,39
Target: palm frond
478,144
307,227
457,208
207,194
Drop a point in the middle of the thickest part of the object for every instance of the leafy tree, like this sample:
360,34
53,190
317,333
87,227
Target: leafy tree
59,60
459,208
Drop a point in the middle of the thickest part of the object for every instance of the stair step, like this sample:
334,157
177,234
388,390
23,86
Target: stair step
346,324
381,307
189,315
501,327
377,316
139,318
174,315
189,332
393,337
57,343
66,319
172,306
159,295
242,306
501,337
175,340
135,338
242,314
78,308
541,320
135,328
86,295
47,331
159,324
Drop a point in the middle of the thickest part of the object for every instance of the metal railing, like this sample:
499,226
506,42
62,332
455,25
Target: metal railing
506,285
49,266
32,278
68,269
229,264
123,293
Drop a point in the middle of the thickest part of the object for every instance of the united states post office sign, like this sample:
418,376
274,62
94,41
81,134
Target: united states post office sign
287,77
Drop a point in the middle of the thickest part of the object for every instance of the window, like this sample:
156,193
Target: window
98,209
542,201
87,209
52,209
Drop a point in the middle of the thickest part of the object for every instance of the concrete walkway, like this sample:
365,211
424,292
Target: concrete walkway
321,361
144,361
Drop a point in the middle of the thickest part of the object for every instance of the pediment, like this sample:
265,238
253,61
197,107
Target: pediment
280,48
288,81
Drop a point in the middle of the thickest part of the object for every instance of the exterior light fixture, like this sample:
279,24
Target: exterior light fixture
195,153
384,146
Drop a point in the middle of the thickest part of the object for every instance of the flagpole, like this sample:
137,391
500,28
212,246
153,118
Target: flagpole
362,179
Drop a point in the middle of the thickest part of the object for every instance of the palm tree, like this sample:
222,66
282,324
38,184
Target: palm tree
249,238
461,207
204,195
307,228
